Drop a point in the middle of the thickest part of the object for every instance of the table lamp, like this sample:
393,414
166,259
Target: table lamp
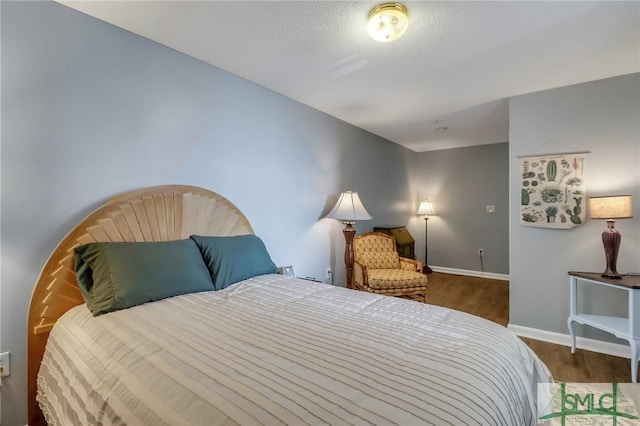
610,208
349,210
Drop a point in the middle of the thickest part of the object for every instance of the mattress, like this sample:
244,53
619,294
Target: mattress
279,350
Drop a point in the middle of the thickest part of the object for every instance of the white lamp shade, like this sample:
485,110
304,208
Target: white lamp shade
611,207
426,208
349,208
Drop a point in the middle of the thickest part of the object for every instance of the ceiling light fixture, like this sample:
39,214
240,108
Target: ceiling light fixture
387,22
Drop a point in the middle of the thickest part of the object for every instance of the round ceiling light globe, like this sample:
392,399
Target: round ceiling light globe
387,22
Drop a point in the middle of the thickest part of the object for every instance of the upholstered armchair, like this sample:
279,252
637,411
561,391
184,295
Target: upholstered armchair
377,268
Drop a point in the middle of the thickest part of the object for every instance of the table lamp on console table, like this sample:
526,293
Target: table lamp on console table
349,210
610,208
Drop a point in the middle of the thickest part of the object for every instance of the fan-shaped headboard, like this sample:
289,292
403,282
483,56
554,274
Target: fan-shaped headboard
159,213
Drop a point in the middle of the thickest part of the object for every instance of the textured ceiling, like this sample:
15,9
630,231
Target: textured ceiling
454,67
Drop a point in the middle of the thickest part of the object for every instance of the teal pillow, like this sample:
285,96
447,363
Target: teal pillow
233,259
116,276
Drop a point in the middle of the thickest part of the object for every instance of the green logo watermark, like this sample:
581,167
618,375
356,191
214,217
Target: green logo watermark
569,404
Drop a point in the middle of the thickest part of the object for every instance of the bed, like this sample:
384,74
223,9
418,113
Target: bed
268,349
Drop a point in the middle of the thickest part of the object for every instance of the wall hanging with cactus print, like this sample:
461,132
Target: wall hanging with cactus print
553,190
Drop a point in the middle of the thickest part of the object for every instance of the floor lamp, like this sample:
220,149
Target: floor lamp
426,209
610,208
349,210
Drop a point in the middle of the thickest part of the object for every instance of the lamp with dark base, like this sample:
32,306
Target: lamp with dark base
610,208
349,209
611,240
426,208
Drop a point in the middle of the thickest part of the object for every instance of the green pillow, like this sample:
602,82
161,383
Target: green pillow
233,259
116,276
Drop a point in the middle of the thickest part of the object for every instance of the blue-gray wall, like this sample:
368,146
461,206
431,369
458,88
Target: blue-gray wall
462,182
601,117
90,110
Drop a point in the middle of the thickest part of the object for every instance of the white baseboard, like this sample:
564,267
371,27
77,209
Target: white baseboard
592,345
480,274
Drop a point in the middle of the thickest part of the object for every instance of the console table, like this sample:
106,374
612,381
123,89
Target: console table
624,328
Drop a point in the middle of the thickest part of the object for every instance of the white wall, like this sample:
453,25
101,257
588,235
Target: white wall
90,110
602,117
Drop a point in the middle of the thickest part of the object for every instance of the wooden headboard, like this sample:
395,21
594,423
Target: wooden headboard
159,213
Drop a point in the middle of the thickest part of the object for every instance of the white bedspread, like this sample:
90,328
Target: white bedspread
276,350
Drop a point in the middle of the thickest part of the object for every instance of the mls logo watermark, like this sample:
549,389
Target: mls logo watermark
598,404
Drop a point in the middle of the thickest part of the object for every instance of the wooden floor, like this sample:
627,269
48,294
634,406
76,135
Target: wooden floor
490,299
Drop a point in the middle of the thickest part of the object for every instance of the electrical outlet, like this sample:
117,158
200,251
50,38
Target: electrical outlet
5,364
480,252
328,273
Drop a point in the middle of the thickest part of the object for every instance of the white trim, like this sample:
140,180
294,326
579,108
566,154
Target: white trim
608,348
480,274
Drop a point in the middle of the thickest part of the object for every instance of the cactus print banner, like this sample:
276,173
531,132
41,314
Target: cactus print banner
553,190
